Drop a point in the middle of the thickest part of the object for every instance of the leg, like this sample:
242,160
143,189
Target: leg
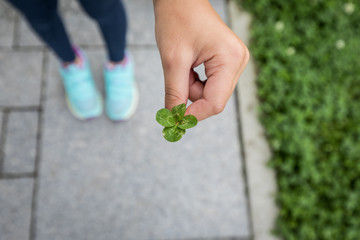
83,99
43,17
111,17
120,87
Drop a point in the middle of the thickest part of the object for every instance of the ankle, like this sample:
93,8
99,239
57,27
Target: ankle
77,62
112,64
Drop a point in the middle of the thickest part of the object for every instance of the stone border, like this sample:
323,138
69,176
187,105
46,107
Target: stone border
260,178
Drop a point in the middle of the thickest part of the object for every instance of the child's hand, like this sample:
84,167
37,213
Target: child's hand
188,33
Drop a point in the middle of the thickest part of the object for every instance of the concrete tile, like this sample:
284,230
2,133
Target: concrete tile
26,35
82,30
141,22
20,84
15,210
64,4
220,7
7,24
101,180
20,144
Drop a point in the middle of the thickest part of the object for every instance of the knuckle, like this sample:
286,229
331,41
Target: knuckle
173,57
241,53
168,59
235,52
218,108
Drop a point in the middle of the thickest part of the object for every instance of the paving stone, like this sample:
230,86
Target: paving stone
65,4
20,144
20,84
220,7
26,36
7,24
105,180
15,210
141,22
82,30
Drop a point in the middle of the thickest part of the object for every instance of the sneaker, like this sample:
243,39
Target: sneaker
82,98
121,91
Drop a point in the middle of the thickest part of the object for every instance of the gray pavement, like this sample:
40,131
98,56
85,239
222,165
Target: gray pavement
61,178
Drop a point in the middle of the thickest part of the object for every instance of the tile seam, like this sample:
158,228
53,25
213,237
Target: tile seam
16,31
10,175
4,123
33,220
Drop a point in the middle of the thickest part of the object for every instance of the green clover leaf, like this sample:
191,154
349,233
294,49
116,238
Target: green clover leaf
188,121
173,134
165,118
175,122
179,112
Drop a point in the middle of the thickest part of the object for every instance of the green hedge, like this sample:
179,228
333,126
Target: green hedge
307,54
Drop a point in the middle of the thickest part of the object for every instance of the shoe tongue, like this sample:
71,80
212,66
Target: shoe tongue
114,67
73,67
70,68
111,66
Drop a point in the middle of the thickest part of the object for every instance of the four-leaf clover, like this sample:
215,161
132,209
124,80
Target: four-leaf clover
175,122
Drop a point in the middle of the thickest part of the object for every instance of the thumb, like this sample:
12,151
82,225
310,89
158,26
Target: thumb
176,84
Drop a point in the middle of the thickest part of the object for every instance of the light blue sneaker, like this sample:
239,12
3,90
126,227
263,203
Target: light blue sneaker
121,91
82,98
